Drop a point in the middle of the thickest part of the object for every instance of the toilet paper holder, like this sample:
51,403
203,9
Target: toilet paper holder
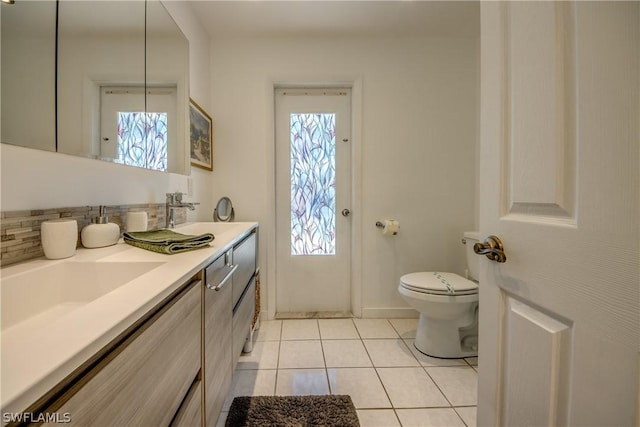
379,224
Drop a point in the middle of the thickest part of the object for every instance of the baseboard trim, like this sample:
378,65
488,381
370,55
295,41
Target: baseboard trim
314,315
376,313
390,313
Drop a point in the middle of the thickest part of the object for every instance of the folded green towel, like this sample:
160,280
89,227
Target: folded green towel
167,241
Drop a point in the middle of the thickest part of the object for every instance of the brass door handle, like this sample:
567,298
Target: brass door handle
492,248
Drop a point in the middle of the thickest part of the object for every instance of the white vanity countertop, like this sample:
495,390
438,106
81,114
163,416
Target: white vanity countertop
35,359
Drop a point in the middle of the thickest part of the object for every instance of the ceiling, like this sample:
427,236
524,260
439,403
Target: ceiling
327,18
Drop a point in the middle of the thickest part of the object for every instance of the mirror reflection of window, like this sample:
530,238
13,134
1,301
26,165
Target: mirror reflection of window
142,140
130,136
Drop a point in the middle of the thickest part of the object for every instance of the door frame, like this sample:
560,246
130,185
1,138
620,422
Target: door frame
355,84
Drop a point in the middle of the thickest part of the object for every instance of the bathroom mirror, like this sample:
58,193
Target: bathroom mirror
167,83
100,45
108,107
224,211
29,74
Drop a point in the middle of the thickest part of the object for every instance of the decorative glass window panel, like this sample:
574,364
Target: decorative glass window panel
142,140
313,184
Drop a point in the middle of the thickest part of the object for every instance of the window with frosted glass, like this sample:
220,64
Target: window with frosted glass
313,184
142,140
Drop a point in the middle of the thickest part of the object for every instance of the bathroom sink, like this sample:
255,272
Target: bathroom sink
40,296
216,228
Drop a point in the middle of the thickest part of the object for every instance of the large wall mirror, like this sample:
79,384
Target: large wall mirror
29,74
122,81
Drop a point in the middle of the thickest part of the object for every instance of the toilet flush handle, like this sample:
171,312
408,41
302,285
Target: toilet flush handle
492,248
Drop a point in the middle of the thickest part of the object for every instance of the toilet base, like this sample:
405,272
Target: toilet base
445,339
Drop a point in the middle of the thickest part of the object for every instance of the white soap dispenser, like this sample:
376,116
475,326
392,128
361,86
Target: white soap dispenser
101,233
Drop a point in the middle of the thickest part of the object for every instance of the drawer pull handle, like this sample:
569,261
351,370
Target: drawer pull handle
224,281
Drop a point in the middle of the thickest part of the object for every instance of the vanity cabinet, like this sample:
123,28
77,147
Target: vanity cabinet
244,256
229,307
190,413
242,318
244,291
217,315
147,377
174,365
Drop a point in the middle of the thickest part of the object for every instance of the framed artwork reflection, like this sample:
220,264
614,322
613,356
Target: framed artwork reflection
201,137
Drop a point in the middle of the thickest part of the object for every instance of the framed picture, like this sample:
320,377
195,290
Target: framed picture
201,132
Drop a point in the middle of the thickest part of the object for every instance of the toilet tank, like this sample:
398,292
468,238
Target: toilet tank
473,260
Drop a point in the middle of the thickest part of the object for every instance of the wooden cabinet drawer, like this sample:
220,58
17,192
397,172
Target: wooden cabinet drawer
145,379
217,350
190,414
244,256
242,319
218,271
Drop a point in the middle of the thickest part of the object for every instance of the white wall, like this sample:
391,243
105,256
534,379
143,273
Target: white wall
415,160
32,179
199,88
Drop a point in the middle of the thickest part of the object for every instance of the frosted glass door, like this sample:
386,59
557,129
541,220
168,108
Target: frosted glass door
313,178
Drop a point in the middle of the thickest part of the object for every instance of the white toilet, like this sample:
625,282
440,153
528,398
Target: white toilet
448,306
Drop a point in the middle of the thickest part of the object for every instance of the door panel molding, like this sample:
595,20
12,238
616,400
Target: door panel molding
535,342
539,162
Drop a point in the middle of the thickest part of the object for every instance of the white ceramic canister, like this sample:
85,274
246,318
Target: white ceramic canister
137,221
59,238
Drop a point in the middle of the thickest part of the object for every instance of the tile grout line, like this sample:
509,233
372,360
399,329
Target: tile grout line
437,385
460,416
275,383
324,358
395,410
375,369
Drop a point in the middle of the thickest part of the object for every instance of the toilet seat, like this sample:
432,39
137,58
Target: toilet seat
435,283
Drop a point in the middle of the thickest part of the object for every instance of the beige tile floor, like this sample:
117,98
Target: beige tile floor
372,360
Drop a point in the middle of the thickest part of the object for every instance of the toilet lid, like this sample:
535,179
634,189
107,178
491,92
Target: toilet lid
434,282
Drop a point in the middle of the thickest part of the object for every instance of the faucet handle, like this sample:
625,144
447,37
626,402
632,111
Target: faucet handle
174,198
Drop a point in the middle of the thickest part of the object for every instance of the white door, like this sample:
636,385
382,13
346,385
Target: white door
313,200
559,322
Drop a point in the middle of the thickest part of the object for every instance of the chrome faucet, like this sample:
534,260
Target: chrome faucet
174,200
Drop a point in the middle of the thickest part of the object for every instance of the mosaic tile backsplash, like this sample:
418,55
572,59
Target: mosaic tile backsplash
20,230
